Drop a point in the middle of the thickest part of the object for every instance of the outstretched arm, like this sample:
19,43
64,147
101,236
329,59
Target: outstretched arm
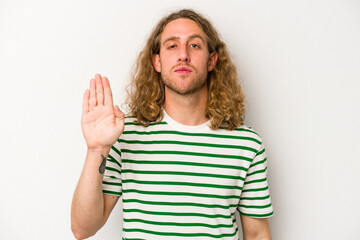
255,228
102,124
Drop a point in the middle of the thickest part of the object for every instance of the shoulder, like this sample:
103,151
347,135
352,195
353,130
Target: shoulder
249,131
244,135
243,130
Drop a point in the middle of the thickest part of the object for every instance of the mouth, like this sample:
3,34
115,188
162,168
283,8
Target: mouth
183,70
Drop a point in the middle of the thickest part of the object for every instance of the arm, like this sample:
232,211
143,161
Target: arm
102,124
255,228
90,207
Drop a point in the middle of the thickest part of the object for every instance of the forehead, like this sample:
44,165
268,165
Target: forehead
181,28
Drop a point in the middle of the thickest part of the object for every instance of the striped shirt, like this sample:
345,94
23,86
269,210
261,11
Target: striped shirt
186,182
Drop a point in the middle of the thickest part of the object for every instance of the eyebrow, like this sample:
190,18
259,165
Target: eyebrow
191,37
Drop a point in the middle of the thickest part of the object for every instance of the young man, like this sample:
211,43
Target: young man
183,161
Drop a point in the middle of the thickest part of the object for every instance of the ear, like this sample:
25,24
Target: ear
212,61
156,62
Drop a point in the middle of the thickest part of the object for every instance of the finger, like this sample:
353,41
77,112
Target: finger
85,106
92,94
99,90
118,113
120,116
107,92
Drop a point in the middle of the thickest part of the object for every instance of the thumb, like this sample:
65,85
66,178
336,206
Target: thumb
119,115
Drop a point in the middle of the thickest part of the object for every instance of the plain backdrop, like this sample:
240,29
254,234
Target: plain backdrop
299,63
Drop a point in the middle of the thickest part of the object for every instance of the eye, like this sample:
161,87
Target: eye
194,45
171,46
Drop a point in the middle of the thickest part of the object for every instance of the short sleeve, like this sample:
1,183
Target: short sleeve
255,197
112,182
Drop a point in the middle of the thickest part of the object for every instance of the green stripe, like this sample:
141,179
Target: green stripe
187,143
192,134
255,198
184,163
182,184
113,177
180,204
112,169
133,239
180,224
242,130
257,215
150,124
256,181
257,206
256,172
112,183
181,194
181,214
116,150
257,163
112,159
188,153
247,130
111,192
255,189
261,152
179,234
182,173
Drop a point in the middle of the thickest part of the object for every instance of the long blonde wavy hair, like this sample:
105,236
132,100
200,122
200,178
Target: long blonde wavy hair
146,96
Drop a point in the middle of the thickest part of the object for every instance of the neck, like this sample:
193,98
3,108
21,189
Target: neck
187,109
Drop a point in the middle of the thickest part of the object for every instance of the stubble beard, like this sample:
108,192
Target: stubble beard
197,84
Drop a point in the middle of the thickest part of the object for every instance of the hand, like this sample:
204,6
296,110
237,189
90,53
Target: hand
101,122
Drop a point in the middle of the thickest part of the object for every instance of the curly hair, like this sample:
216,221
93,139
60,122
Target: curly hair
146,97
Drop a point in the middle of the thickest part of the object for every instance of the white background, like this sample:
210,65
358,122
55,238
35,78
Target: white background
300,67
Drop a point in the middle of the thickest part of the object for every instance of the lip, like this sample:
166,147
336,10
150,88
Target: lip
183,70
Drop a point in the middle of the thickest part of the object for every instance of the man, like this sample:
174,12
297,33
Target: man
183,161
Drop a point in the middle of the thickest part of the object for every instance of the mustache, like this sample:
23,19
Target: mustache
183,65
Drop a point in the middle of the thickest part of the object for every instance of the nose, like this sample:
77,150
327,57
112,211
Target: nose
183,54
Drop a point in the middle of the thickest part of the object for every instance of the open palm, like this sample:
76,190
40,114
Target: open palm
101,122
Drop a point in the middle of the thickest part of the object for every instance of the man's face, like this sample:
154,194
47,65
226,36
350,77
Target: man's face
184,60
